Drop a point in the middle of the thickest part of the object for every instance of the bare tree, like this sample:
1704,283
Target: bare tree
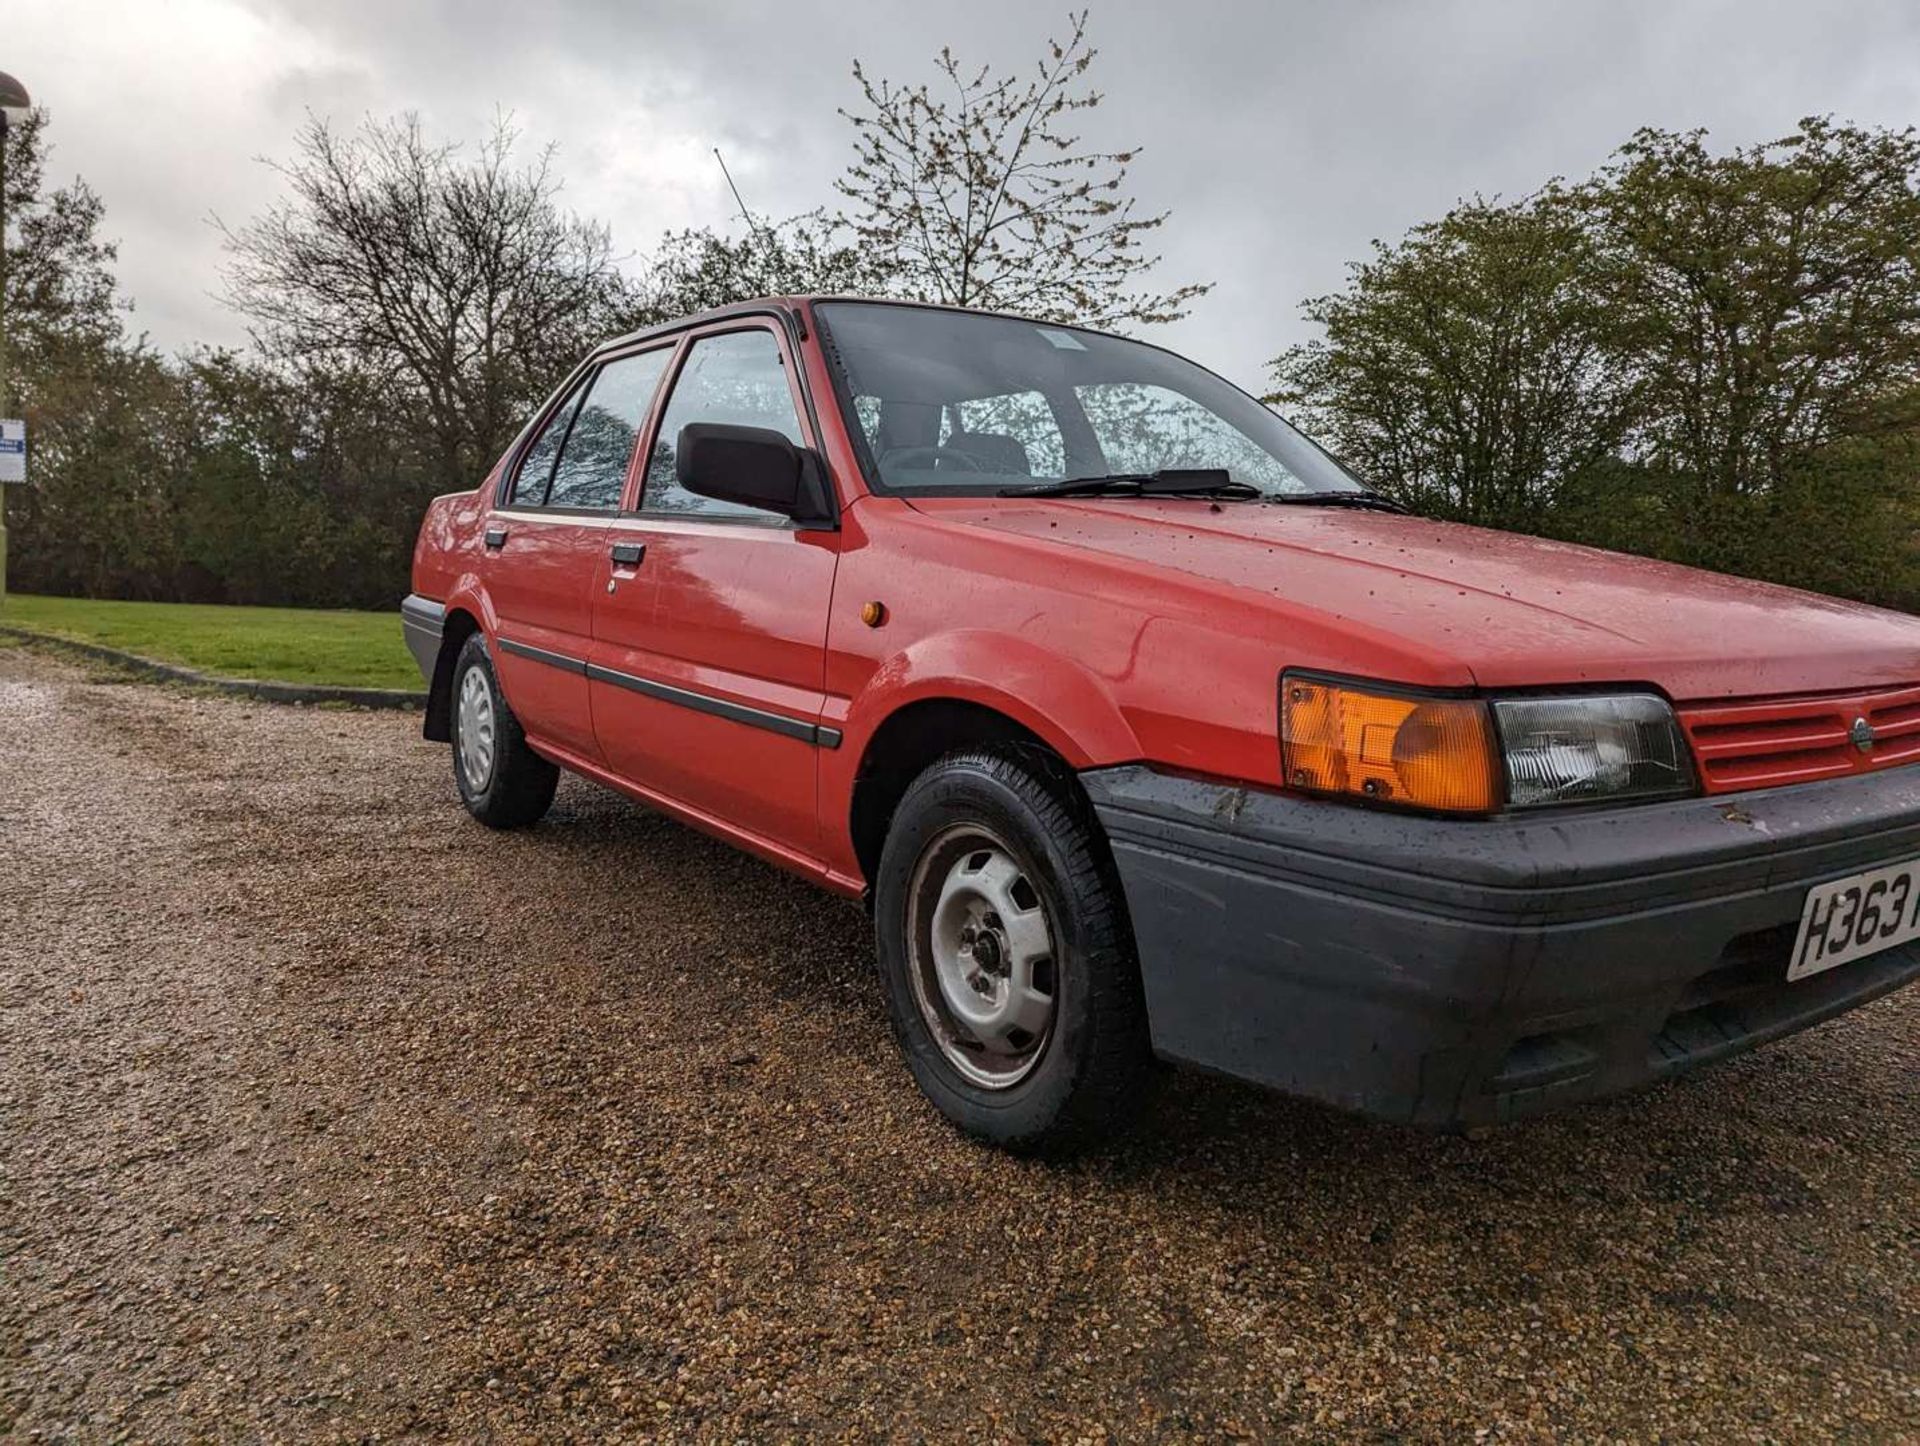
981,195
461,283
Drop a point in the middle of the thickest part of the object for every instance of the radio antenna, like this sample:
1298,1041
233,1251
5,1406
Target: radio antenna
745,214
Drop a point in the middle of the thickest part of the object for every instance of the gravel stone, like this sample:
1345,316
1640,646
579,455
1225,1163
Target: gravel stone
327,1114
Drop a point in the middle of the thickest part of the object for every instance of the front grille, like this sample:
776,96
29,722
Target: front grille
1796,740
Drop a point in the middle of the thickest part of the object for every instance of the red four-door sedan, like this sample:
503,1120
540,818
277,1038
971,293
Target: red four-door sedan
1146,729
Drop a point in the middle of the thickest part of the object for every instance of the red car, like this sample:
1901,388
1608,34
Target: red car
1146,729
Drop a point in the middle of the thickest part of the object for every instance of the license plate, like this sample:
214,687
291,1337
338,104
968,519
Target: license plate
1851,918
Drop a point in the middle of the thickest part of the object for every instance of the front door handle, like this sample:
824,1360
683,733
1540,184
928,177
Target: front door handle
496,537
629,554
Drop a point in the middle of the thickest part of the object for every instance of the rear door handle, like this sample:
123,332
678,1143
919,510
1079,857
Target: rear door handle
629,554
496,537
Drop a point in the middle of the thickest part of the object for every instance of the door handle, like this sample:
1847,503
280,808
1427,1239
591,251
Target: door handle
496,537
629,554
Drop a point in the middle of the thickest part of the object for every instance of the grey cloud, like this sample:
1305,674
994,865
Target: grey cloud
1284,137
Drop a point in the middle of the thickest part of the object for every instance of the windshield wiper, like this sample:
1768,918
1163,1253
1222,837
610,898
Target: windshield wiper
1212,482
1372,501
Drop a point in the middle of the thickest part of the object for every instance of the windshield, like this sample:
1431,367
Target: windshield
957,403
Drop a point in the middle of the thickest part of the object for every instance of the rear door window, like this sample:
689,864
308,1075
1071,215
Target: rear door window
592,467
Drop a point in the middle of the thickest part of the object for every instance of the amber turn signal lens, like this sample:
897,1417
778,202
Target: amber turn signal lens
1435,753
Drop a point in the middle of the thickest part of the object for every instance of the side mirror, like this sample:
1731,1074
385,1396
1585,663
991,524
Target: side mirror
755,467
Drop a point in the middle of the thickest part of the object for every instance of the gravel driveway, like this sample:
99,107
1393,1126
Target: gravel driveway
325,1113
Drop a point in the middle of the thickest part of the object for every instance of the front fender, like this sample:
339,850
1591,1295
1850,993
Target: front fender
1045,692
1053,697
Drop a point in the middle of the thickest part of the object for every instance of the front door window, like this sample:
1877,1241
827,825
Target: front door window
737,377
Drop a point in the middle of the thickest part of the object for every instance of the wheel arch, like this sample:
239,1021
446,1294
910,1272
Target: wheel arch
458,625
904,745
965,689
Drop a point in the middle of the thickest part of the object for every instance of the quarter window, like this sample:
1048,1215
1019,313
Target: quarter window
536,466
737,377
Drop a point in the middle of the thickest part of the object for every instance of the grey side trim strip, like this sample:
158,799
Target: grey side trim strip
814,733
541,655
718,707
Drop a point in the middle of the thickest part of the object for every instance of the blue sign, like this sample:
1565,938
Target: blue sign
13,450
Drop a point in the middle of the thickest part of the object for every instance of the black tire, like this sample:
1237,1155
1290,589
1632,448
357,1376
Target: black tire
519,784
1085,1077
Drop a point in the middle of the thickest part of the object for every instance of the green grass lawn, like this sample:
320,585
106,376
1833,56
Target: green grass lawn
287,645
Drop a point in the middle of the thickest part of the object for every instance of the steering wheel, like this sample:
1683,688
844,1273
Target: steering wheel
934,456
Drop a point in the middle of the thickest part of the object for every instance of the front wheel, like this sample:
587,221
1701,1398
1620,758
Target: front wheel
1006,953
502,781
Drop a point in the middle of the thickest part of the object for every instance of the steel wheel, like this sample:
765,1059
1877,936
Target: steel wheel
981,956
476,729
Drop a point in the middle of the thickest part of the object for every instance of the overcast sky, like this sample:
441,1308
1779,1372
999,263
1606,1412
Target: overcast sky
1282,136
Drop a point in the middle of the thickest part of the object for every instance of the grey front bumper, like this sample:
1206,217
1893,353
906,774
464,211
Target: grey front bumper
1463,972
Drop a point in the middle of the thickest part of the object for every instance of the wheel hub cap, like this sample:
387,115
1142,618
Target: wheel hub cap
476,729
983,957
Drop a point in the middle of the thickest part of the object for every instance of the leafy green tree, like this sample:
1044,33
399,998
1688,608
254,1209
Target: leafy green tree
1464,369
299,488
95,518
980,194
248,533
94,515
1709,357
1769,298
59,277
1767,301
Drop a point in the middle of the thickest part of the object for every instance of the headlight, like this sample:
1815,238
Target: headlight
1605,746
1472,755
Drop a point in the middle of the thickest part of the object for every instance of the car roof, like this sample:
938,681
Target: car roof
790,304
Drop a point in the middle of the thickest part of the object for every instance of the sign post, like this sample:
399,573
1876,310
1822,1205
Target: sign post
13,471
13,102
15,106
6,96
